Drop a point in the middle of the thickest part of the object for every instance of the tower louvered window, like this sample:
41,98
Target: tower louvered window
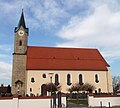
20,43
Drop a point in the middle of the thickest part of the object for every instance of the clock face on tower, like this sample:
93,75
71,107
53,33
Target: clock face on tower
21,32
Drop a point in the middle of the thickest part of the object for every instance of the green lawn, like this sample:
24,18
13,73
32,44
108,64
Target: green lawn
79,101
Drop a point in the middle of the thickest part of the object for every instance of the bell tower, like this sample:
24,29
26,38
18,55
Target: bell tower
19,57
21,37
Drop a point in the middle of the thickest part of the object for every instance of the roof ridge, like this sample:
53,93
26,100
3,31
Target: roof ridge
63,58
55,47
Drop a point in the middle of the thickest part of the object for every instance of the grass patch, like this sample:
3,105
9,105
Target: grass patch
79,101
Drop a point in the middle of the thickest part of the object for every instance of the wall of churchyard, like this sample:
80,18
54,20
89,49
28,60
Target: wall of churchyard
28,102
103,100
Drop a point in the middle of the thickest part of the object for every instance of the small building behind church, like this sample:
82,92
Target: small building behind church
5,90
34,65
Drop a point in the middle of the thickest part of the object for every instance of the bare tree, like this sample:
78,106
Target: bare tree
85,87
116,84
77,87
52,87
88,87
70,90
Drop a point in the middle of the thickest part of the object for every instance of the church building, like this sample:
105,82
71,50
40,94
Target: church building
35,66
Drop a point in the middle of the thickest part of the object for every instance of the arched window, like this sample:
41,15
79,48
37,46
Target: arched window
32,80
99,90
56,79
68,79
30,89
80,79
20,43
96,78
44,75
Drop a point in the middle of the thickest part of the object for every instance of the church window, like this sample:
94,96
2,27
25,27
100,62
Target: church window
96,78
56,79
30,89
68,79
32,80
20,43
99,90
44,75
80,79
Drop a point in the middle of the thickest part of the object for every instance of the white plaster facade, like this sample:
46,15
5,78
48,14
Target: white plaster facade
105,80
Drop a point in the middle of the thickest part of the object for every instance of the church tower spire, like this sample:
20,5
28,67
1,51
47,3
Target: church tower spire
21,23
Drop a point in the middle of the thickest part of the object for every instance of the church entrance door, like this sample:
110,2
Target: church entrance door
44,90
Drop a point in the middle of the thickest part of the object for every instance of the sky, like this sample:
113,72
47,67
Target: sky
62,23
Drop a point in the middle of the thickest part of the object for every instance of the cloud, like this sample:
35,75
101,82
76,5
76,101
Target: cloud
5,52
5,66
43,14
5,48
38,13
100,29
6,71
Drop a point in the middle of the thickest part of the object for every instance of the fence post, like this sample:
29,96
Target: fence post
54,100
59,100
109,104
67,100
101,104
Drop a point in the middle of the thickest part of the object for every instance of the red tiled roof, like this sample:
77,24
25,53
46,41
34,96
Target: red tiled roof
54,58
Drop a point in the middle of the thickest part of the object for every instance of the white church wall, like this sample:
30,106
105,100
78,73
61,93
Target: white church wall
105,81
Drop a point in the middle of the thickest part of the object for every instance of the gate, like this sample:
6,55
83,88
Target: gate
77,100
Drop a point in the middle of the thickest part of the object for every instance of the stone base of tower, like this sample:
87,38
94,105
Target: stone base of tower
19,74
